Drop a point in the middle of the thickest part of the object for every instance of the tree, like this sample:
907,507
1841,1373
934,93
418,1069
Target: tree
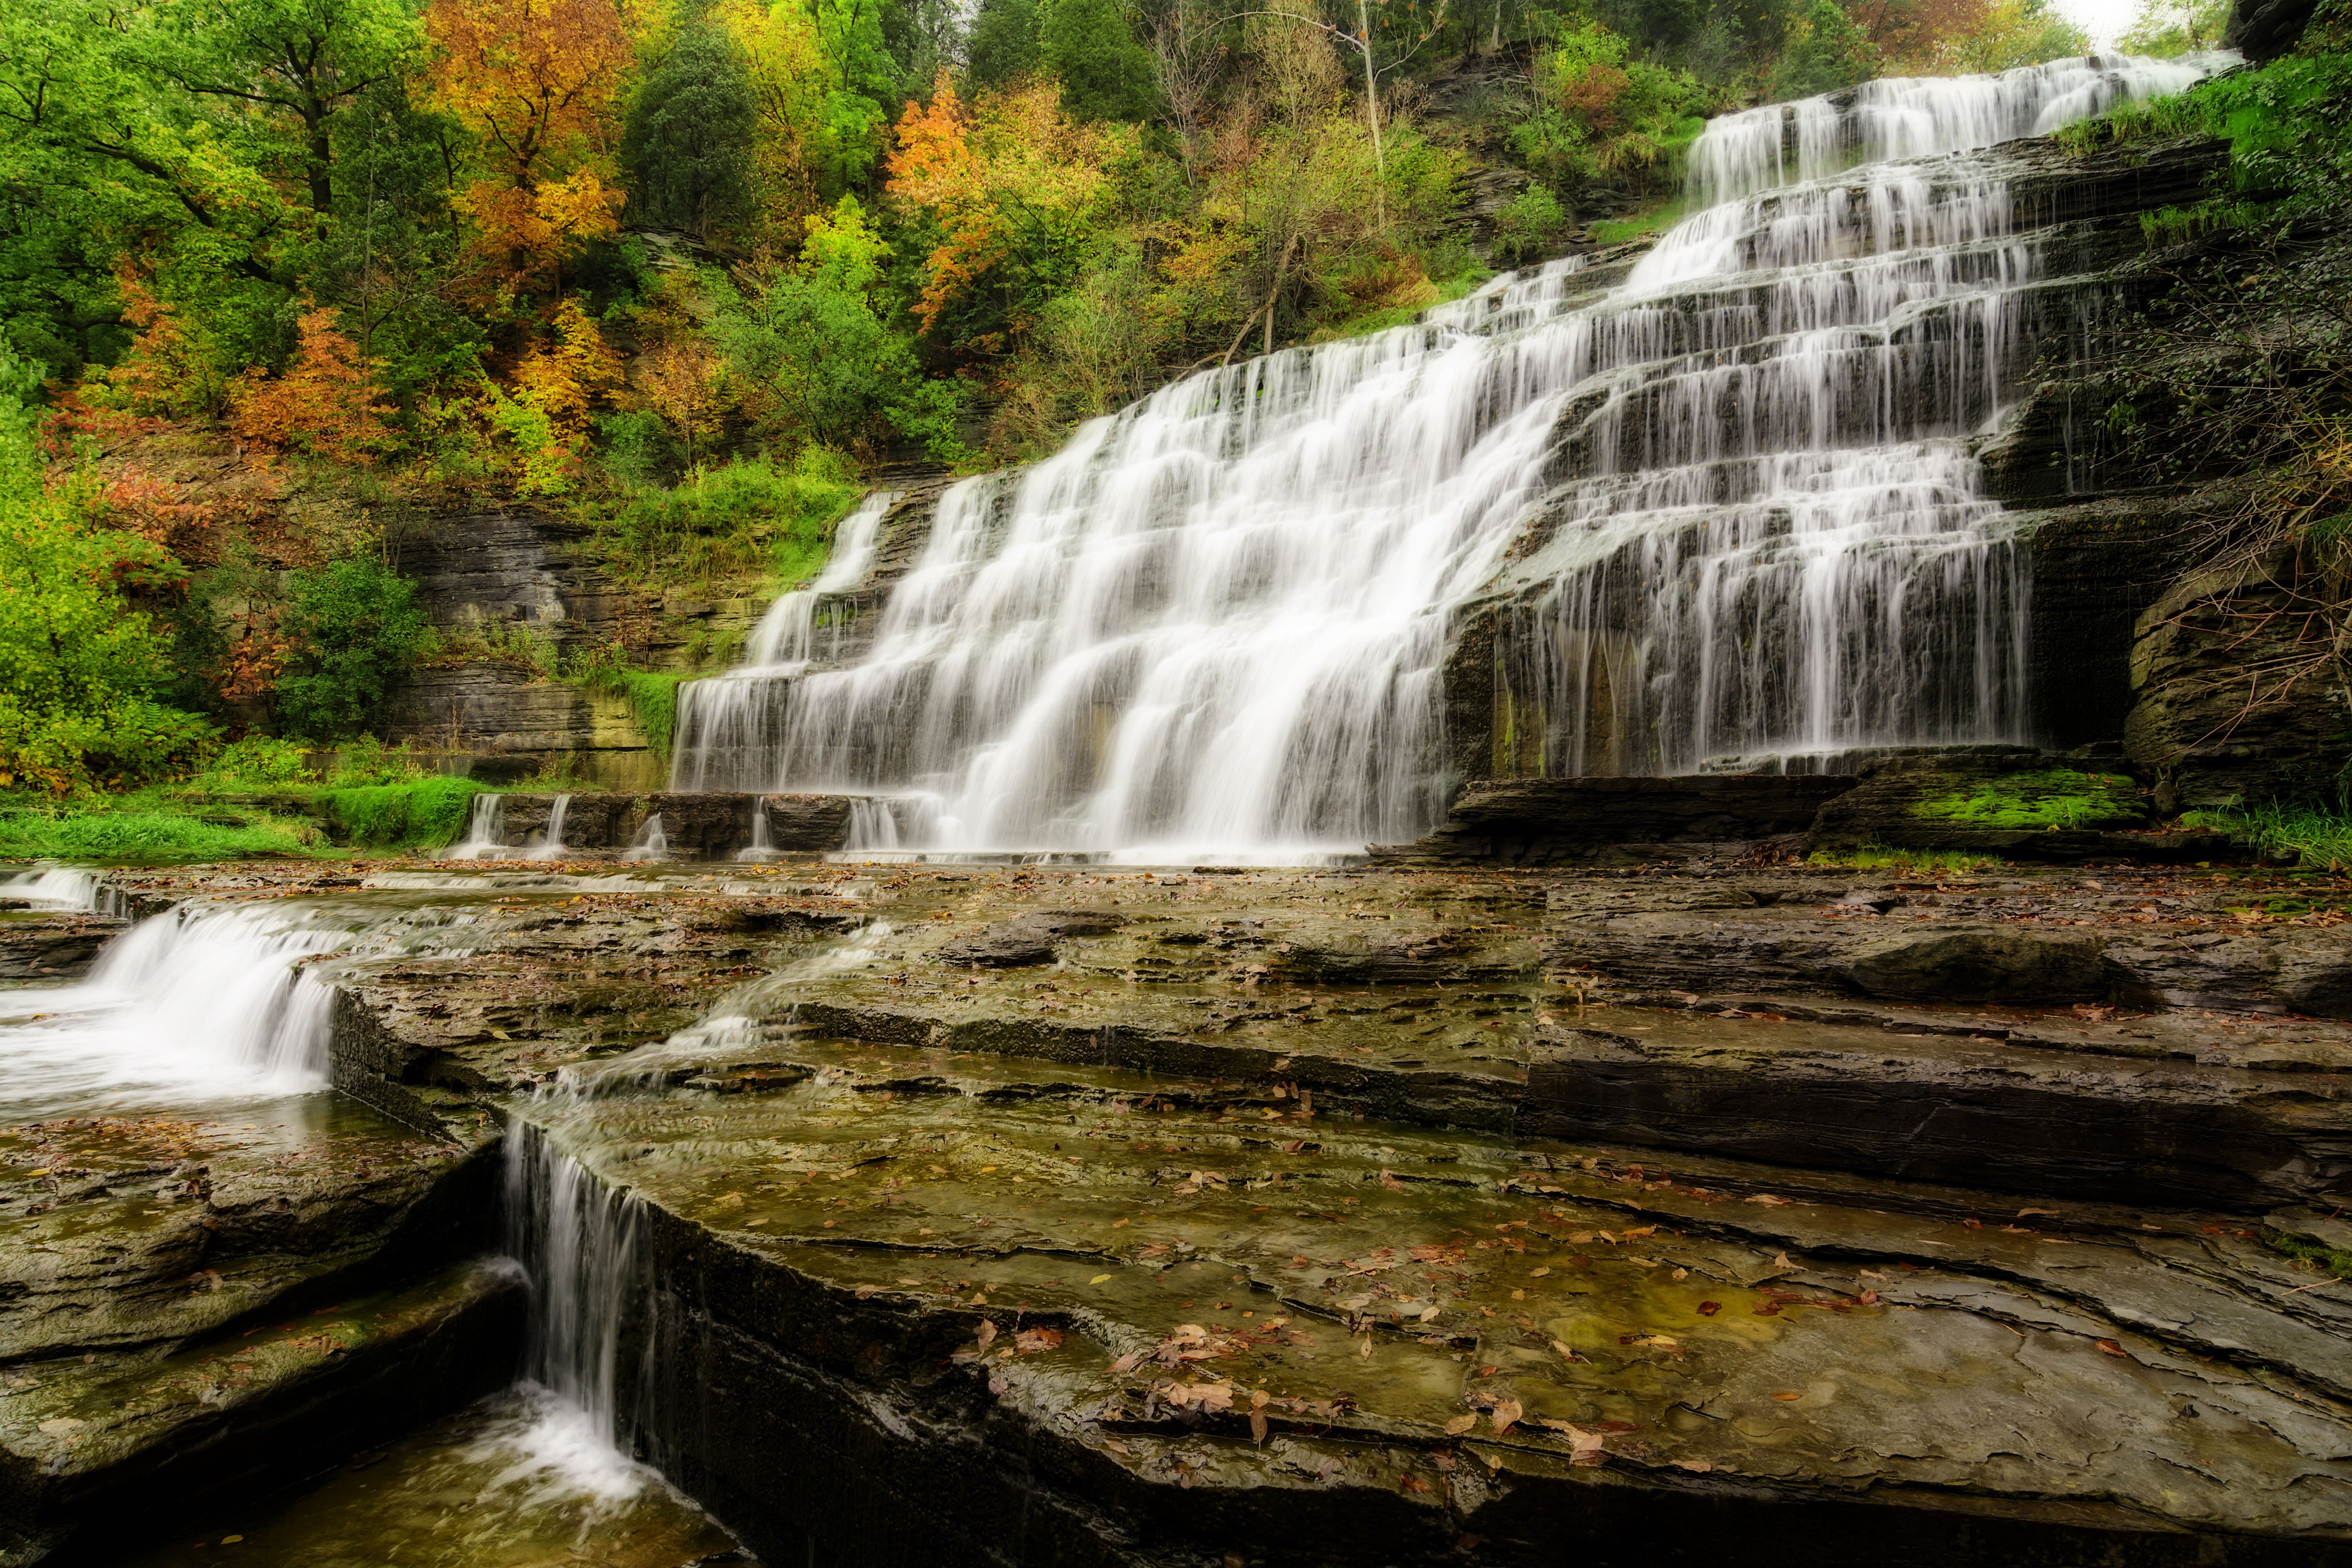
1828,52
535,81
2165,28
79,669
556,388
325,403
1104,73
859,76
354,628
687,145
1004,45
1016,190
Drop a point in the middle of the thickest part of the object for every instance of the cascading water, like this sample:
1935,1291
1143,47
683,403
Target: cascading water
731,716
550,847
653,844
201,1002
486,832
1215,621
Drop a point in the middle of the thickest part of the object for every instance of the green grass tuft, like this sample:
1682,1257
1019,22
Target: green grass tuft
2319,836
2053,798
421,814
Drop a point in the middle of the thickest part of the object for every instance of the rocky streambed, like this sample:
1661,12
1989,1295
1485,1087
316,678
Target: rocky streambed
964,1214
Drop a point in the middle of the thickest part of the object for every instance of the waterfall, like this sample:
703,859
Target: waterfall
1216,622
653,844
577,1240
763,847
552,847
53,888
486,834
731,716
202,1001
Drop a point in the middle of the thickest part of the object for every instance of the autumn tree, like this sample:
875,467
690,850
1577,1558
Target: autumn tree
325,403
557,385
1017,189
536,82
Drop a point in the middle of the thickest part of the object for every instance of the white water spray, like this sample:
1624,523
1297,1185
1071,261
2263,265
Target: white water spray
1216,623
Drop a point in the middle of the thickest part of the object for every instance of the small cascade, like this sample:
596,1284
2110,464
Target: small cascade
762,848
730,715
550,847
577,1239
1728,503
486,834
652,844
199,1002
53,888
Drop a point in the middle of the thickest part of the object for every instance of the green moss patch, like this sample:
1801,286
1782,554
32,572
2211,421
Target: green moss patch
2053,798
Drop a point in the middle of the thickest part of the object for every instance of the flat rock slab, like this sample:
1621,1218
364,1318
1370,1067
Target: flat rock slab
1202,1321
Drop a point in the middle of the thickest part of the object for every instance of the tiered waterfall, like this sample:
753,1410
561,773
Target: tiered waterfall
1216,623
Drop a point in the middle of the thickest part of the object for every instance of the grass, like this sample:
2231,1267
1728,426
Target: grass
652,696
420,814
2326,1260
141,829
2051,798
1915,862
2319,836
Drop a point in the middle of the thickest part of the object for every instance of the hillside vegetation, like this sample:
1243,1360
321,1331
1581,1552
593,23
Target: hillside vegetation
282,280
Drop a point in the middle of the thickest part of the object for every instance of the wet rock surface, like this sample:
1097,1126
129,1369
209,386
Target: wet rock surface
1107,1215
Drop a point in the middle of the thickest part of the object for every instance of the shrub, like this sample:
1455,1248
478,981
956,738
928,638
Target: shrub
1530,226
749,519
356,628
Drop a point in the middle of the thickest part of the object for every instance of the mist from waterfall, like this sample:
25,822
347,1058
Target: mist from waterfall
1215,622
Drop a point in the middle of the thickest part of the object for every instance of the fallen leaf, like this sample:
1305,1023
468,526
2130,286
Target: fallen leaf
1709,1309
1459,1425
864,1291
1788,1399
1388,1181
1538,1274
2111,1348
1698,1467
987,1333
1414,1484
1098,1278
1257,1426
1505,1415
1030,1341
1768,1199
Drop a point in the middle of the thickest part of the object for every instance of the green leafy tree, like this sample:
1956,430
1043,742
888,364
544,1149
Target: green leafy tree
1828,51
859,78
1104,73
79,669
687,145
355,629
1004,45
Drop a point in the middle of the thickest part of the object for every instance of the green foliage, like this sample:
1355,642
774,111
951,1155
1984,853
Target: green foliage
688,145
749,519
420,814
1004,46
2167,28
812,337
2316,834
1104,73
2050,798
356,630
2169,227
81,671
1602,112
1828,52
2304,1249
1529,228
140,830
257,762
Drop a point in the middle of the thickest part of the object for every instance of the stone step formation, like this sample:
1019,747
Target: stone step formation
1095,1215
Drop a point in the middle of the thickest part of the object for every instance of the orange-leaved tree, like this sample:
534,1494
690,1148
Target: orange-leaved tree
1018,189
325,403
537,82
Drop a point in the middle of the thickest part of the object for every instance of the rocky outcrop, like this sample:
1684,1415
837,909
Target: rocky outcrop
1544,821
705,826
50,948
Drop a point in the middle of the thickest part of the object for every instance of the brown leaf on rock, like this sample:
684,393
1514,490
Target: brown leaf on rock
2111,1348
1388,1180
1505,1415
1414,1484
1257,1426
1030,1341
987,1333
